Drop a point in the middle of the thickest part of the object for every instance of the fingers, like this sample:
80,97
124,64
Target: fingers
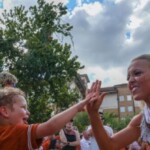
98,97
94,97
95,102
102,95
92,87
95,87
93,94
90,92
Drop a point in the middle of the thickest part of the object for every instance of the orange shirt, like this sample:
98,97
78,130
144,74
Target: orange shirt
78,147
16,137
46,143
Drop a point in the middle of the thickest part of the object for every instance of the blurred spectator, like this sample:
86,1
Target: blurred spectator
85,141
7,79
70,137
135,146
52,142
93,143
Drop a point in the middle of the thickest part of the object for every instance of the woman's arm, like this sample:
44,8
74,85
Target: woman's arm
118,140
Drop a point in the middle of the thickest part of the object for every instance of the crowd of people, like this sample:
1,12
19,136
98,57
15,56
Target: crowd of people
17,134
69,138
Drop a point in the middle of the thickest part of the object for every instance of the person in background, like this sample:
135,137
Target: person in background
138,77
51,142
7,79
55,143
16,133
69,137
85,141
135,145
46,143
108,129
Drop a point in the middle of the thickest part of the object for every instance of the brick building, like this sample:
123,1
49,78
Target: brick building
119,101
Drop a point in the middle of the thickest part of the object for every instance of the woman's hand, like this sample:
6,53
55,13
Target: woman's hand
96,97
91,96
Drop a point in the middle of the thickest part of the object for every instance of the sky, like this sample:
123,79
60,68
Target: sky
107,34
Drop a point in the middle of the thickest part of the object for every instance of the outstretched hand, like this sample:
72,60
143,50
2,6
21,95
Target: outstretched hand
96,97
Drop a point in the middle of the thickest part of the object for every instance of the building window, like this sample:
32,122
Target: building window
121,98
122,109
129,98
130,109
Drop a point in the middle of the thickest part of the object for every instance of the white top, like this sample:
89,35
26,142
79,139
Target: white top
93,145
109,130
85,144
135,146
145,130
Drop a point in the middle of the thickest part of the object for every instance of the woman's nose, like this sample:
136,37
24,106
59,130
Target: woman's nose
131,79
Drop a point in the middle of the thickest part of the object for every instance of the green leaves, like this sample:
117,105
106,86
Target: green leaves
42,64
82,121
116,123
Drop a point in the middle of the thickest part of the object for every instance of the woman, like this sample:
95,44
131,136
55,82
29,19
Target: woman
139,85
70,137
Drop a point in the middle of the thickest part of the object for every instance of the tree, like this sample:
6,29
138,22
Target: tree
42,64
82,121
116,123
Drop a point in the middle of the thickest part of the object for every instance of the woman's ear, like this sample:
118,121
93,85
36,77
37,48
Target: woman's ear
4,111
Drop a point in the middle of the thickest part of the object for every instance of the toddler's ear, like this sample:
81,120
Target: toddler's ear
4,111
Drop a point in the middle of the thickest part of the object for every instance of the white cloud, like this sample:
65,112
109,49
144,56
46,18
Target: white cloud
79,2
100,40
140,4
135,22
91,9
100,35
108,77
118,1
58,1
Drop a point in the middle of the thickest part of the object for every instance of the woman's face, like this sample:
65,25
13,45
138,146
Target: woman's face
139,79
69,126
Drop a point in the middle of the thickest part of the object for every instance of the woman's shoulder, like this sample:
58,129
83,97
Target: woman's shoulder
136,120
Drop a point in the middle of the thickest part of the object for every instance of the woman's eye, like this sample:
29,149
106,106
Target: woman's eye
134,74
137,73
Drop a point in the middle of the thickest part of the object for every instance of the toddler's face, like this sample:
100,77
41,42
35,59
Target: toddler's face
20,113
